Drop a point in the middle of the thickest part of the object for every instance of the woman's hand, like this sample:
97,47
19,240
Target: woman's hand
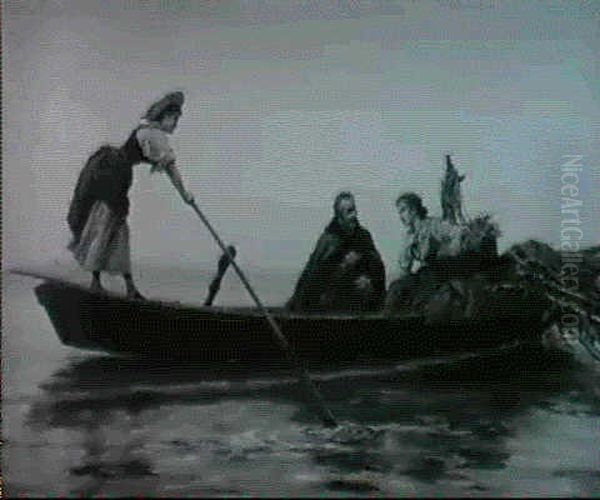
188,197
175,177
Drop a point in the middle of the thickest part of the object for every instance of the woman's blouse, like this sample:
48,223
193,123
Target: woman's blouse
155,147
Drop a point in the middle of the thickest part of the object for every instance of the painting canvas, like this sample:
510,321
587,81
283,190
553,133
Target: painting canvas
226,132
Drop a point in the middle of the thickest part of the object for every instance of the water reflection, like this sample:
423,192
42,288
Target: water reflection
109,403
410,430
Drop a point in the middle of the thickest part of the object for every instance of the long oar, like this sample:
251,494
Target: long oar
324,412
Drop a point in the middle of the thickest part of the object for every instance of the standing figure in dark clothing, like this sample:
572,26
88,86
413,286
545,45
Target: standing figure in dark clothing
345,271
98,211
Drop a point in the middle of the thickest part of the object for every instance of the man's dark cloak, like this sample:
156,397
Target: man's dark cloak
323,285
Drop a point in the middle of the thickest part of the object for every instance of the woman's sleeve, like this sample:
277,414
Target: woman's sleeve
155,147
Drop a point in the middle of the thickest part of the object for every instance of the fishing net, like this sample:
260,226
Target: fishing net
571,283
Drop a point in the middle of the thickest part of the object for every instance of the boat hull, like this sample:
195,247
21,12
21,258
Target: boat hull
111,323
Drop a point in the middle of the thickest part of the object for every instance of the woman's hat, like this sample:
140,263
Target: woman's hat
171,102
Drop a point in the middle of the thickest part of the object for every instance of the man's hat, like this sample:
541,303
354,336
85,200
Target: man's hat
171,102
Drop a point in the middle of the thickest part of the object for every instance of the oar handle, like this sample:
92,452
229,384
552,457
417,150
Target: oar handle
215,284
325,414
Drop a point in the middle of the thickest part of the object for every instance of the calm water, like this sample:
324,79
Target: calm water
76,423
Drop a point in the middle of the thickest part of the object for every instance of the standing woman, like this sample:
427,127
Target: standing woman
100,205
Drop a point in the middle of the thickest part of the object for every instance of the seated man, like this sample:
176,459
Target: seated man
436,252
345,271
429,238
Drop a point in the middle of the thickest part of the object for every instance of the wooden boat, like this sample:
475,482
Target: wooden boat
206,334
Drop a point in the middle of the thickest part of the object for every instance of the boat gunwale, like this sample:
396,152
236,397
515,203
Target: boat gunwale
234,312
240,313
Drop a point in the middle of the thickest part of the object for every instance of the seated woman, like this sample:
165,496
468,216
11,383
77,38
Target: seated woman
345,271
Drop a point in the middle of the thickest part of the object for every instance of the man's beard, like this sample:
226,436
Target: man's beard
349,225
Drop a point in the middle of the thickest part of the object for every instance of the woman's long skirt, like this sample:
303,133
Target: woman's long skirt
104,242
